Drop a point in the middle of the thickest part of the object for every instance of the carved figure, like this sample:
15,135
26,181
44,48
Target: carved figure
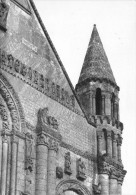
59,172
17,66
81,169
45,119
68,163
29,145
4,8
10,61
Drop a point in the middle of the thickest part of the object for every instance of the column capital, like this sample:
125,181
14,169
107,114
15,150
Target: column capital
99,134
14,139
103,167
115,137
4,138
43,139
121,177
114,174
119,140
53,144
109,134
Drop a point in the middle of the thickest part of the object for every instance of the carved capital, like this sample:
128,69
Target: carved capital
4,138
99,134
115,137
119,141
14,139
114,174
109,134
53,145
43,140
103,166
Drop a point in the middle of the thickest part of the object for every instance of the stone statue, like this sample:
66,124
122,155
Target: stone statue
81,170
4,8
67,169
45,119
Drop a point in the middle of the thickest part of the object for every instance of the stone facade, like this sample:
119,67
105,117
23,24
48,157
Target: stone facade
51,142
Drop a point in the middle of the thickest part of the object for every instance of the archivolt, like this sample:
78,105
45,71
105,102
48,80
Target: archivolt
13,104
73,185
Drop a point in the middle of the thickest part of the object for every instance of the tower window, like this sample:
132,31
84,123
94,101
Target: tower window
98,98
112,105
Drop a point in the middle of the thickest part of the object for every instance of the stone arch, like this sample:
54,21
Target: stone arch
72,185
12,101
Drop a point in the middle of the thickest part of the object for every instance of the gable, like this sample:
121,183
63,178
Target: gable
23,4
28,41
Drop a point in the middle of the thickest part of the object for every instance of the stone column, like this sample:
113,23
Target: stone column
109,144
91,104
4,164
51,176
119,143
14,143
94,104
103,105
41,164
113,183
119,192
103,170
114,155
107,104
100,141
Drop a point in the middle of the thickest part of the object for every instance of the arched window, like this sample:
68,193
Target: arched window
98,99
112,105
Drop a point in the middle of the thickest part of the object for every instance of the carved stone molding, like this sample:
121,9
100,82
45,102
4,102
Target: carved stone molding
67,164
53,144
10,97
43,139
114,173
4,9
72,185
103,166
37,80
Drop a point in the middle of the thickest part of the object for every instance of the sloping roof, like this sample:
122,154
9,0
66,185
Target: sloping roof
96,64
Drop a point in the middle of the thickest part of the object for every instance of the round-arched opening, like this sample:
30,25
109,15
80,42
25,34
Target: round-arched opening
70,192
98,98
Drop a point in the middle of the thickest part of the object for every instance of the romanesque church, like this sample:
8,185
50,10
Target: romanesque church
54,139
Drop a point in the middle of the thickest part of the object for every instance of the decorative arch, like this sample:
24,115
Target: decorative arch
10,97
72,185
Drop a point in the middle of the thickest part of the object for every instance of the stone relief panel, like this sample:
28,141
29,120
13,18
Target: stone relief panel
4,9
81,169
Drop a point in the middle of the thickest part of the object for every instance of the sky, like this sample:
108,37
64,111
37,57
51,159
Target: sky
69,24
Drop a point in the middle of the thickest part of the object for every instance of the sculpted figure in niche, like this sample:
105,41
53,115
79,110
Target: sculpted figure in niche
4,8
81,169
68,163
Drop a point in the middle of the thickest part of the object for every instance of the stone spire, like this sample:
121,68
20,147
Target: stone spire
96,64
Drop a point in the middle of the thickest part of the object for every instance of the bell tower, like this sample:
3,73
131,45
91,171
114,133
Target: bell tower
98,93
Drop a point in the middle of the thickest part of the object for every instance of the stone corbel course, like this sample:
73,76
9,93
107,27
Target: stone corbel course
37,80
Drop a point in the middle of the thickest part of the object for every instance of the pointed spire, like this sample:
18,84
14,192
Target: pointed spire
96,64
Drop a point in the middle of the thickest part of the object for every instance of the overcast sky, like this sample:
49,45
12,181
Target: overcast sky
69,24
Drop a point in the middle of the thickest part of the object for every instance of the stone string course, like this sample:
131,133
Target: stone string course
37,81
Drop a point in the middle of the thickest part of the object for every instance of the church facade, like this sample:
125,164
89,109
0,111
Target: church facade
54,139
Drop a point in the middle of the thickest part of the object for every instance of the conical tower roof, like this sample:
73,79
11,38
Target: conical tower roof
96,64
